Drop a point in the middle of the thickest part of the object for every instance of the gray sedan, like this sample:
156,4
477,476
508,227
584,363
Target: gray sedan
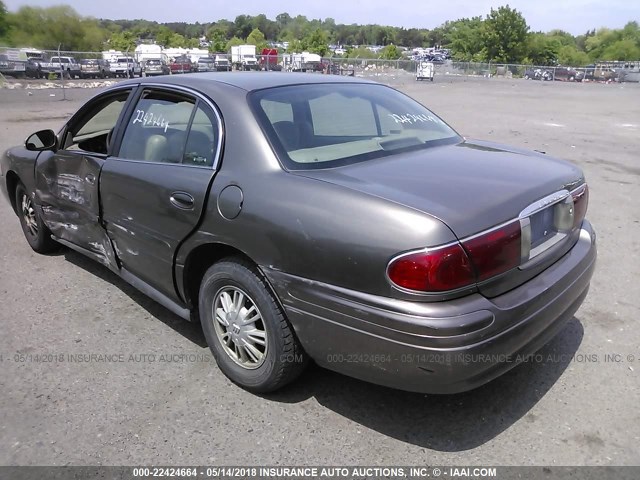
304,217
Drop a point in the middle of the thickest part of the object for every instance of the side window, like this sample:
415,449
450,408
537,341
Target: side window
333,116
202,140
277,111
92,132
157,130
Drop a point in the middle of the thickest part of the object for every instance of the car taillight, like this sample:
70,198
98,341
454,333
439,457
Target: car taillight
437,270
580,203
496,251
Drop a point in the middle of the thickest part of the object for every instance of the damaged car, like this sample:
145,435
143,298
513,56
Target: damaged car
302,217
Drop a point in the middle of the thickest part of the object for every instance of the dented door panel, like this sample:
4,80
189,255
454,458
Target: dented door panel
67,190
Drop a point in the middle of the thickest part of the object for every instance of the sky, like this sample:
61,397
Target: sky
574,16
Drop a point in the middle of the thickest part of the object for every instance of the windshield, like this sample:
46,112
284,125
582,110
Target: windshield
125,60
329,125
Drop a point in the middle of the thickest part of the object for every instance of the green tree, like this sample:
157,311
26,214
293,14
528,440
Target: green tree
621,50
123,41
316,42
390,52
256,37
49,27
571,56
463,37
218,40
361,52
4,24
543,49
233,42
504,35
295,46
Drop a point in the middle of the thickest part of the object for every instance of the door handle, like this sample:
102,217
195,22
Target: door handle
182,200
90,178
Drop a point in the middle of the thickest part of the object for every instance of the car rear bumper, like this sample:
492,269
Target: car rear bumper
437,347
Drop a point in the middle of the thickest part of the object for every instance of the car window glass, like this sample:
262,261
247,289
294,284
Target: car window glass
156,132
277,111
90,134
329,125
333,115
202,139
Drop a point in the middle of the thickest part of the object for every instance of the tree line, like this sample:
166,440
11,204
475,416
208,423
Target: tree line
502,36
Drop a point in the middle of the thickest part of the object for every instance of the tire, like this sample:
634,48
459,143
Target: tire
265,367
526,77
35,231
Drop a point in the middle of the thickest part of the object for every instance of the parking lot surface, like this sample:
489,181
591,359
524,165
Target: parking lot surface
93,372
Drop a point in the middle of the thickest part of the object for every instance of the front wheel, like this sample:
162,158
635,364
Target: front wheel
246,329
35,231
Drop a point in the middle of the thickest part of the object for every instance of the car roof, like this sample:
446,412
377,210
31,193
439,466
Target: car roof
248,81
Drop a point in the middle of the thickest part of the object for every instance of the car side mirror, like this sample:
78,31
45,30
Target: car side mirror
41,141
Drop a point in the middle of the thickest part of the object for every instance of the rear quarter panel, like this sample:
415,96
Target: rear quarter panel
303,226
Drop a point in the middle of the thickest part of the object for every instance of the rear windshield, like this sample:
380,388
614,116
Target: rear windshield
328,125
125,60
153,62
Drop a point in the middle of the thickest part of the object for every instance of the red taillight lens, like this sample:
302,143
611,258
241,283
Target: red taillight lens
496,251
439,270
580,203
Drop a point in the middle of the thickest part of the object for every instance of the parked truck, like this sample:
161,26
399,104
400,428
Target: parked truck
243,57
67,66
125,66
269,59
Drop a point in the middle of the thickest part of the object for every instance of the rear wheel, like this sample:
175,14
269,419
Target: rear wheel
246,329
35,231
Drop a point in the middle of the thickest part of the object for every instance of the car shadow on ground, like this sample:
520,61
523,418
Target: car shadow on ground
190,330
447,423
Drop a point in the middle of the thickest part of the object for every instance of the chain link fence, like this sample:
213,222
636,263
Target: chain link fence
381,69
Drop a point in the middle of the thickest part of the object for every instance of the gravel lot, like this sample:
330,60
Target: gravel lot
557,411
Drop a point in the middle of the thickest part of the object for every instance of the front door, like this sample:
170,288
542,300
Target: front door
154,189
68,180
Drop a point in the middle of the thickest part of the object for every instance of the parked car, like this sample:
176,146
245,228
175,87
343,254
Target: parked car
94,68
181,64
33,67
567,74
206,64
342,221
600,73
11,67
155,66
538,74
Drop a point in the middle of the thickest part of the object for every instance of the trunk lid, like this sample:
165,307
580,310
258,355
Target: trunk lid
471,186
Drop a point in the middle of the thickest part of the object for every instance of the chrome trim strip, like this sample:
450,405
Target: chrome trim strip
543,203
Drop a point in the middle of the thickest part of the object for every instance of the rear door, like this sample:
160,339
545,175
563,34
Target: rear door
68,180
155,188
